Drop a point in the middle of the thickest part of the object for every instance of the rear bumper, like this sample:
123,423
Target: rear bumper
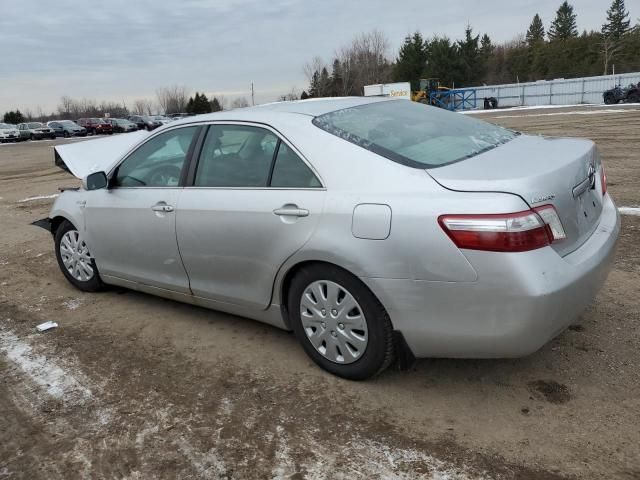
519,302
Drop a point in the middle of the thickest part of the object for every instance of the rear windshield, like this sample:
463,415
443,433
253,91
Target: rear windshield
412,133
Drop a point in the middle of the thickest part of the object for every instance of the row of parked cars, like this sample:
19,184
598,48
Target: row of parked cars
82,127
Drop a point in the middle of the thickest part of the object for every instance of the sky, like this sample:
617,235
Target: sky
122,50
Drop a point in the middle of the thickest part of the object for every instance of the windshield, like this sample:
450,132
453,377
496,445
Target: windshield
36,125
69,123
4,126
412,133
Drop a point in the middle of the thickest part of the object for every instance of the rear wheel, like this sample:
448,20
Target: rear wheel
342,326
75,260
610,98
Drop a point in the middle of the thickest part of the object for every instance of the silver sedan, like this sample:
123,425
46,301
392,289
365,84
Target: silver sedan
375,229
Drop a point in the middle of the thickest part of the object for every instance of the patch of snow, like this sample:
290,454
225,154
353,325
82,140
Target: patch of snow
58,382
38,197
629,211
207,464
571,112
72,304
543,107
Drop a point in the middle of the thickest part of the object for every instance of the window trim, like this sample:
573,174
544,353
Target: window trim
187,161
195,160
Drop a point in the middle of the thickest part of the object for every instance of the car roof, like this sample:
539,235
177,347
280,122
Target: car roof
311,107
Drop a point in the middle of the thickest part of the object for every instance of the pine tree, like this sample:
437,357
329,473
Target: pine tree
215,105
336,80
564,26
325,83
618,22
470,60
13,118
304,95
190,105
486,47
535,34
314,86
412,61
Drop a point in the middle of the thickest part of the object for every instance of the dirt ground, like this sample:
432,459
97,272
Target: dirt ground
133,386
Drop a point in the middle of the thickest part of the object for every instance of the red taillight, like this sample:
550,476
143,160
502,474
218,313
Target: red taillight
603,180
509,232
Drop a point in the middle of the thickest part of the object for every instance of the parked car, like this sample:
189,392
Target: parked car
161,118
35,131
9,133
373,228
67,128
95,126
121,125
144,122
177,116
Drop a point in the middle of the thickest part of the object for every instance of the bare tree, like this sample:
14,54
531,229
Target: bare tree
223,101
240,102
143,106
362,62
293,94
610,47
315,65
173,99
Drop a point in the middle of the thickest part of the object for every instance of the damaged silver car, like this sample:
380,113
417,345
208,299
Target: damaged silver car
375,229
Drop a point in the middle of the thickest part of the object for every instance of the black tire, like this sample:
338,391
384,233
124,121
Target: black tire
65,134
379,352
609,98
33,137
94,284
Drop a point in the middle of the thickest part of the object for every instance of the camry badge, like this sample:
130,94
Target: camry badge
544,198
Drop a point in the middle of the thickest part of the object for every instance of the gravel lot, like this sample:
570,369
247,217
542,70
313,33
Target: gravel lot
133,386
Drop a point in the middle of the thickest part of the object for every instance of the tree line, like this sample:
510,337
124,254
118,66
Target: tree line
559,51
173,99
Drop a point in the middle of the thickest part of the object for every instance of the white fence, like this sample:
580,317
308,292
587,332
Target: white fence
554,92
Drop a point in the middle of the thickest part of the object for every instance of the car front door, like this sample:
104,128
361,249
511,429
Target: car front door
252,201
131,225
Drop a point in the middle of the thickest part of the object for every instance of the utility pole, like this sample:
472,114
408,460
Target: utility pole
252,96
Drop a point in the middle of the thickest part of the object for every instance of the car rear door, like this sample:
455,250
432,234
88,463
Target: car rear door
250,203
131,225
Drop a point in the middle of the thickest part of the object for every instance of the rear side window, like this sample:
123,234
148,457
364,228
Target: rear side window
290,171
413,134
236,156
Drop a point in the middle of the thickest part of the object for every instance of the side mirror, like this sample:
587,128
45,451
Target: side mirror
95,181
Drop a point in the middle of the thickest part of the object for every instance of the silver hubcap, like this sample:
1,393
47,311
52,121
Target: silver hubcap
334,322
75,256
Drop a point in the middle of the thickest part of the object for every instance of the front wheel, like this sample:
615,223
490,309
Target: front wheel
342,326
75,260
610,98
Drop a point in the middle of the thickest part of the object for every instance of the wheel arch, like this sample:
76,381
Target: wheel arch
287,277
56,221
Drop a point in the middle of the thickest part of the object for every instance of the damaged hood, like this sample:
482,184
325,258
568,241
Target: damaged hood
82,158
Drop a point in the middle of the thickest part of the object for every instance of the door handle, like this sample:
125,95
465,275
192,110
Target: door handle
162,207
291,211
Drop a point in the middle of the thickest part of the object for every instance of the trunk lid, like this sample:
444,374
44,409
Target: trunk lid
563,172
82,158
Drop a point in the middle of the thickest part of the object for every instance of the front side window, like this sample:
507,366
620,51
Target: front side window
236,156
290,171
158,162
413,134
